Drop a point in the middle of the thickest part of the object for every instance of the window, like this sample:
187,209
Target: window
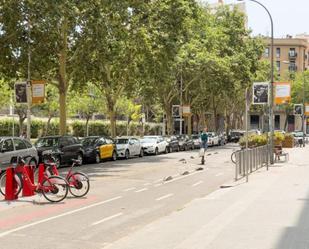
266,52
19,144
292,66
292,52
278,52
7,145
28,144
278,66
64,141
109,141
101,141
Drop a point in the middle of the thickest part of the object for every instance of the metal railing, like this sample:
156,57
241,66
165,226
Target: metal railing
249,160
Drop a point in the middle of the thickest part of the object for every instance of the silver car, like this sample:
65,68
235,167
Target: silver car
15,146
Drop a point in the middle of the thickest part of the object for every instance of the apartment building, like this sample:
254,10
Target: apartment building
290,54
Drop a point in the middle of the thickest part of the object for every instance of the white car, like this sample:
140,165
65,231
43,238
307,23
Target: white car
154,144
129,146
196,141
213,139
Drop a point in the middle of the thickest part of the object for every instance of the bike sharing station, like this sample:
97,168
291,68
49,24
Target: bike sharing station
20,177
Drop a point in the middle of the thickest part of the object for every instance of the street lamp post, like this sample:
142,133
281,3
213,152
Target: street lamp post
271,104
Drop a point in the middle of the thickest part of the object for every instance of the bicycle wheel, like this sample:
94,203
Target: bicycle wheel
19,182
55,188
79,184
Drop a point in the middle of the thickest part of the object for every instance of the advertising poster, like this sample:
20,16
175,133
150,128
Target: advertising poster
260,93
21,92
282,92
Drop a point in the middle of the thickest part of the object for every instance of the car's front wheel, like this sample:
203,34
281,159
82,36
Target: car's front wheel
141,154
114,156
156,151
127,154
97,158
80,159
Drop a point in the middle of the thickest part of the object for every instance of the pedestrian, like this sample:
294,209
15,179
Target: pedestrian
204,143
23,134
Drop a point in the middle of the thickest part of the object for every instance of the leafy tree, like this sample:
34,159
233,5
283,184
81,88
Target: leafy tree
46,29
86,104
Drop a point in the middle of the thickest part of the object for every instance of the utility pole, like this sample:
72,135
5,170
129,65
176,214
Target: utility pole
180,114
304,107
29,81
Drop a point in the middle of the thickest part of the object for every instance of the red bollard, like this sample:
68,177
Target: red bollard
30,171
41,173
10,185
27,182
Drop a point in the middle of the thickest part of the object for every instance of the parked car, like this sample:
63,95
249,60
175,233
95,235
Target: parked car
65,148
98,148
222,139
235,135
129,146
196,141
185,142
213,139
15,146
173,144
154,145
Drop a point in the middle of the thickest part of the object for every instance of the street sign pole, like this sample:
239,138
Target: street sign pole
29,83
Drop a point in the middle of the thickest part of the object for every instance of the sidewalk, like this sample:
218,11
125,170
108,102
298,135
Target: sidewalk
269,212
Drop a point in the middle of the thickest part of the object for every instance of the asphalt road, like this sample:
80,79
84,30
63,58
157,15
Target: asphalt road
125,195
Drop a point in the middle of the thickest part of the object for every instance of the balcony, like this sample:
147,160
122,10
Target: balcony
292,68
292,54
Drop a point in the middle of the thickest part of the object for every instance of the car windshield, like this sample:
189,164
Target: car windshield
149,140
122,141
89,141
195,136
47,142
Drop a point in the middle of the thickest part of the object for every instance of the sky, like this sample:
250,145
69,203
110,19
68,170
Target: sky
290,16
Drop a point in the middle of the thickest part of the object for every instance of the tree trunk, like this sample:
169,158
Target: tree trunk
190,125
21,124
87,125
47,125
112,119
63,84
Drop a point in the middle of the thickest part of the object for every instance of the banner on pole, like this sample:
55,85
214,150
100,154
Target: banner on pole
260,93
176,111
282,92
298,109
38,91
186,110
21,92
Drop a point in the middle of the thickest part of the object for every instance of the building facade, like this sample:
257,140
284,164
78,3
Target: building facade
291,55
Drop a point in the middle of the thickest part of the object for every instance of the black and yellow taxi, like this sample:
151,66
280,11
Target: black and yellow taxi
97,148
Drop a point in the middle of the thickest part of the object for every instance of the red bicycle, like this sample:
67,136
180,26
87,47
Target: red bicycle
54,188
78,182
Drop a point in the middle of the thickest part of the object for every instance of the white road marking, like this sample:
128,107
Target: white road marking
197,183
106,219
179,178
175,175
164,197
141,190
129,189
58,216
219,174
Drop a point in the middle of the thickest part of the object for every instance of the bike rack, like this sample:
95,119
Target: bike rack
28,190
10,185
